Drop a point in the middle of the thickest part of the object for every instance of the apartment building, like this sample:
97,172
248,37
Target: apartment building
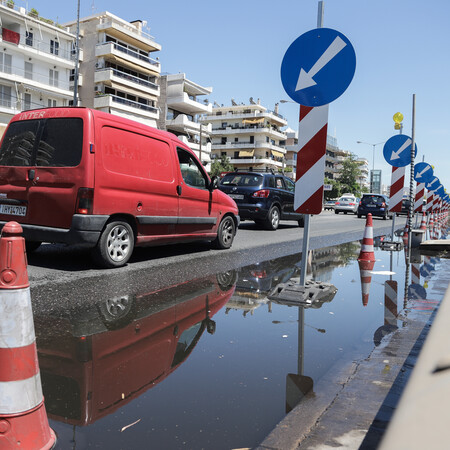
249,135
37,59
118,74
363,179
181,106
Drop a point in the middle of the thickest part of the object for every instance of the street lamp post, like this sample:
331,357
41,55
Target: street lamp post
373,158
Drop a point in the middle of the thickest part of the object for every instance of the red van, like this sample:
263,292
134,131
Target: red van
77,175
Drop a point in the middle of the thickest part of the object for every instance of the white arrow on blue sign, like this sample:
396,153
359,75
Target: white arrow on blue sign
318,67
433,184
423,172
397,150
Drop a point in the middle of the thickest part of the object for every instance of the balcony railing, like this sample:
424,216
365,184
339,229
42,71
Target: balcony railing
131,103
48,81
130,52
34,43
132,78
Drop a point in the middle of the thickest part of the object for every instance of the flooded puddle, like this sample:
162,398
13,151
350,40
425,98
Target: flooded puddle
213,363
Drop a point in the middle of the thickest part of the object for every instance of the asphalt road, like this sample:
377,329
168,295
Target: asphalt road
54,264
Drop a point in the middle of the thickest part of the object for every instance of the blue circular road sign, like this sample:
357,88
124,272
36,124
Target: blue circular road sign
318,67
423,172
397,150
433,184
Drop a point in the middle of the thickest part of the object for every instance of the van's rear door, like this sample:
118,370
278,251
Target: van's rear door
41,170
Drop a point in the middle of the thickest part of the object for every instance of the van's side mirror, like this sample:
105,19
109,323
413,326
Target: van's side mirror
214,183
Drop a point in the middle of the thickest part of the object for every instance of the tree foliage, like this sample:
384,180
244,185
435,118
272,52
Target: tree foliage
221,165
349,175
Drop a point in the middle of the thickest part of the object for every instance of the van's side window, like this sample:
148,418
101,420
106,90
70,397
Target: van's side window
192,173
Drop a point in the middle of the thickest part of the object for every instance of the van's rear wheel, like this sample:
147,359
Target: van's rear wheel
115,245
31,246
225,233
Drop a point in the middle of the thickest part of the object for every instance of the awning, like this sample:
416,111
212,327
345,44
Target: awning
252,121
277,154
246,152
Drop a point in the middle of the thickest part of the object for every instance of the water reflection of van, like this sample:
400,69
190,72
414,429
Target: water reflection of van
81,176
86,377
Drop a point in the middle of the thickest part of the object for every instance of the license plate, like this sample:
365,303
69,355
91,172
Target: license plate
371,206
13,210
237,196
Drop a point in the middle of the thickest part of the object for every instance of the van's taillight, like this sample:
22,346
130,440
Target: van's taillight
263,193
85,201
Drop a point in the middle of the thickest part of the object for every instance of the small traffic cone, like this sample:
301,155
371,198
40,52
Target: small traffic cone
365,268
367,252
23,420
423,224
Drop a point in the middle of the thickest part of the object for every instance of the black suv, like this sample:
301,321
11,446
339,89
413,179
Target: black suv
376,204
263,197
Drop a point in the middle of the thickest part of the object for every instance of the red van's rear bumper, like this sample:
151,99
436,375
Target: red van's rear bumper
83,230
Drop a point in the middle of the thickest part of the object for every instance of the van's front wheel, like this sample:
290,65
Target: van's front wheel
225,234
115,245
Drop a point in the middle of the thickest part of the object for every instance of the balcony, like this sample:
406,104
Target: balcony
107,101
255,161
34,47
109,76
36,81
232,130
126,31
251,115
182,123
127,56
185,103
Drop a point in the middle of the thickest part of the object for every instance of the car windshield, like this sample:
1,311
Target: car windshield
235,179
346,199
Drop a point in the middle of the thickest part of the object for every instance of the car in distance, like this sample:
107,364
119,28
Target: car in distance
264,197
329,204
348,203
375,204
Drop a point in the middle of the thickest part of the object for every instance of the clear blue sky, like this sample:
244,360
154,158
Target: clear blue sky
402,48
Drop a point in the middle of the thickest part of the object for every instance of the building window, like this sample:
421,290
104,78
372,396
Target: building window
54,47
28,70
51,103
26,101
5,63
53,76
5,96
29,38
224,140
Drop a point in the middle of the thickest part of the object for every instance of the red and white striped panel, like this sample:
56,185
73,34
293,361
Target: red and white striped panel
420,194
20,382
435,202
390,302
429,202
396,194
415,273
312,144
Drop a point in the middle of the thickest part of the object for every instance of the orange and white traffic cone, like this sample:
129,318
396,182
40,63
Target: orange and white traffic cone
367,252
365,269
23,420
423,224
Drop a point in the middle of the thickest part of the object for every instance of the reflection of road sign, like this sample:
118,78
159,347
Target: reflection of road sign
397,150
318,67
426,270
423,172
416,291
297,386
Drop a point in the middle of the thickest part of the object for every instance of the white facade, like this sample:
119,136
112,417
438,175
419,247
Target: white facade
119,76
250,136
37,61
181,107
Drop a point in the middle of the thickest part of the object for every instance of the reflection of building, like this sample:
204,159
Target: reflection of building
36,60
249,136
180,108
118,74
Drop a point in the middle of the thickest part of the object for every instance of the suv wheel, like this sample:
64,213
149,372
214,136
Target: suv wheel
273,218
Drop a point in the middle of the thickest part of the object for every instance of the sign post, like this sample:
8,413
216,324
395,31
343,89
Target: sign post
316,69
